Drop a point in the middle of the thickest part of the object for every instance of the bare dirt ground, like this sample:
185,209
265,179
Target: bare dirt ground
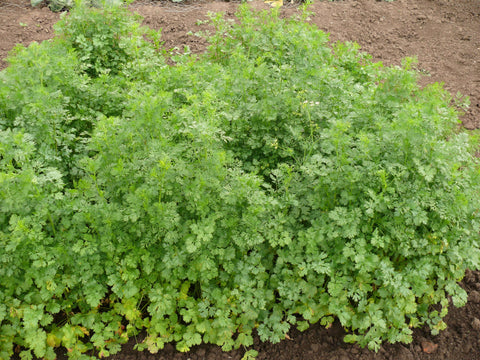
445,37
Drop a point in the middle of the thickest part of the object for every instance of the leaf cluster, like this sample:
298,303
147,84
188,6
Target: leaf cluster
274,181
60,5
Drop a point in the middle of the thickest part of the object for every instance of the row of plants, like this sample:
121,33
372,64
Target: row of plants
275,181
59,5
63,5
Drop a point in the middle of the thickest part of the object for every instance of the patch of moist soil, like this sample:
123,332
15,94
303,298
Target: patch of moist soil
21,24
445,37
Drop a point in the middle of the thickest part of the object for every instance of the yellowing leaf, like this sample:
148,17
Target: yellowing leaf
184,290
84,330
53,341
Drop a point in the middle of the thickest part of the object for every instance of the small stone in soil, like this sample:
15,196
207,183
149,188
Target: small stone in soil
429,347
476,324
474,297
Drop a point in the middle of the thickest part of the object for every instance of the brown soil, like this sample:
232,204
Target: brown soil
445,37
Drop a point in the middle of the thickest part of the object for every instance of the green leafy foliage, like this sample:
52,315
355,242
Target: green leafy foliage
104,41
59,5
274,181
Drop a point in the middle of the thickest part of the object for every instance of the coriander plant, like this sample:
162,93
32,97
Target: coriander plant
276,180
